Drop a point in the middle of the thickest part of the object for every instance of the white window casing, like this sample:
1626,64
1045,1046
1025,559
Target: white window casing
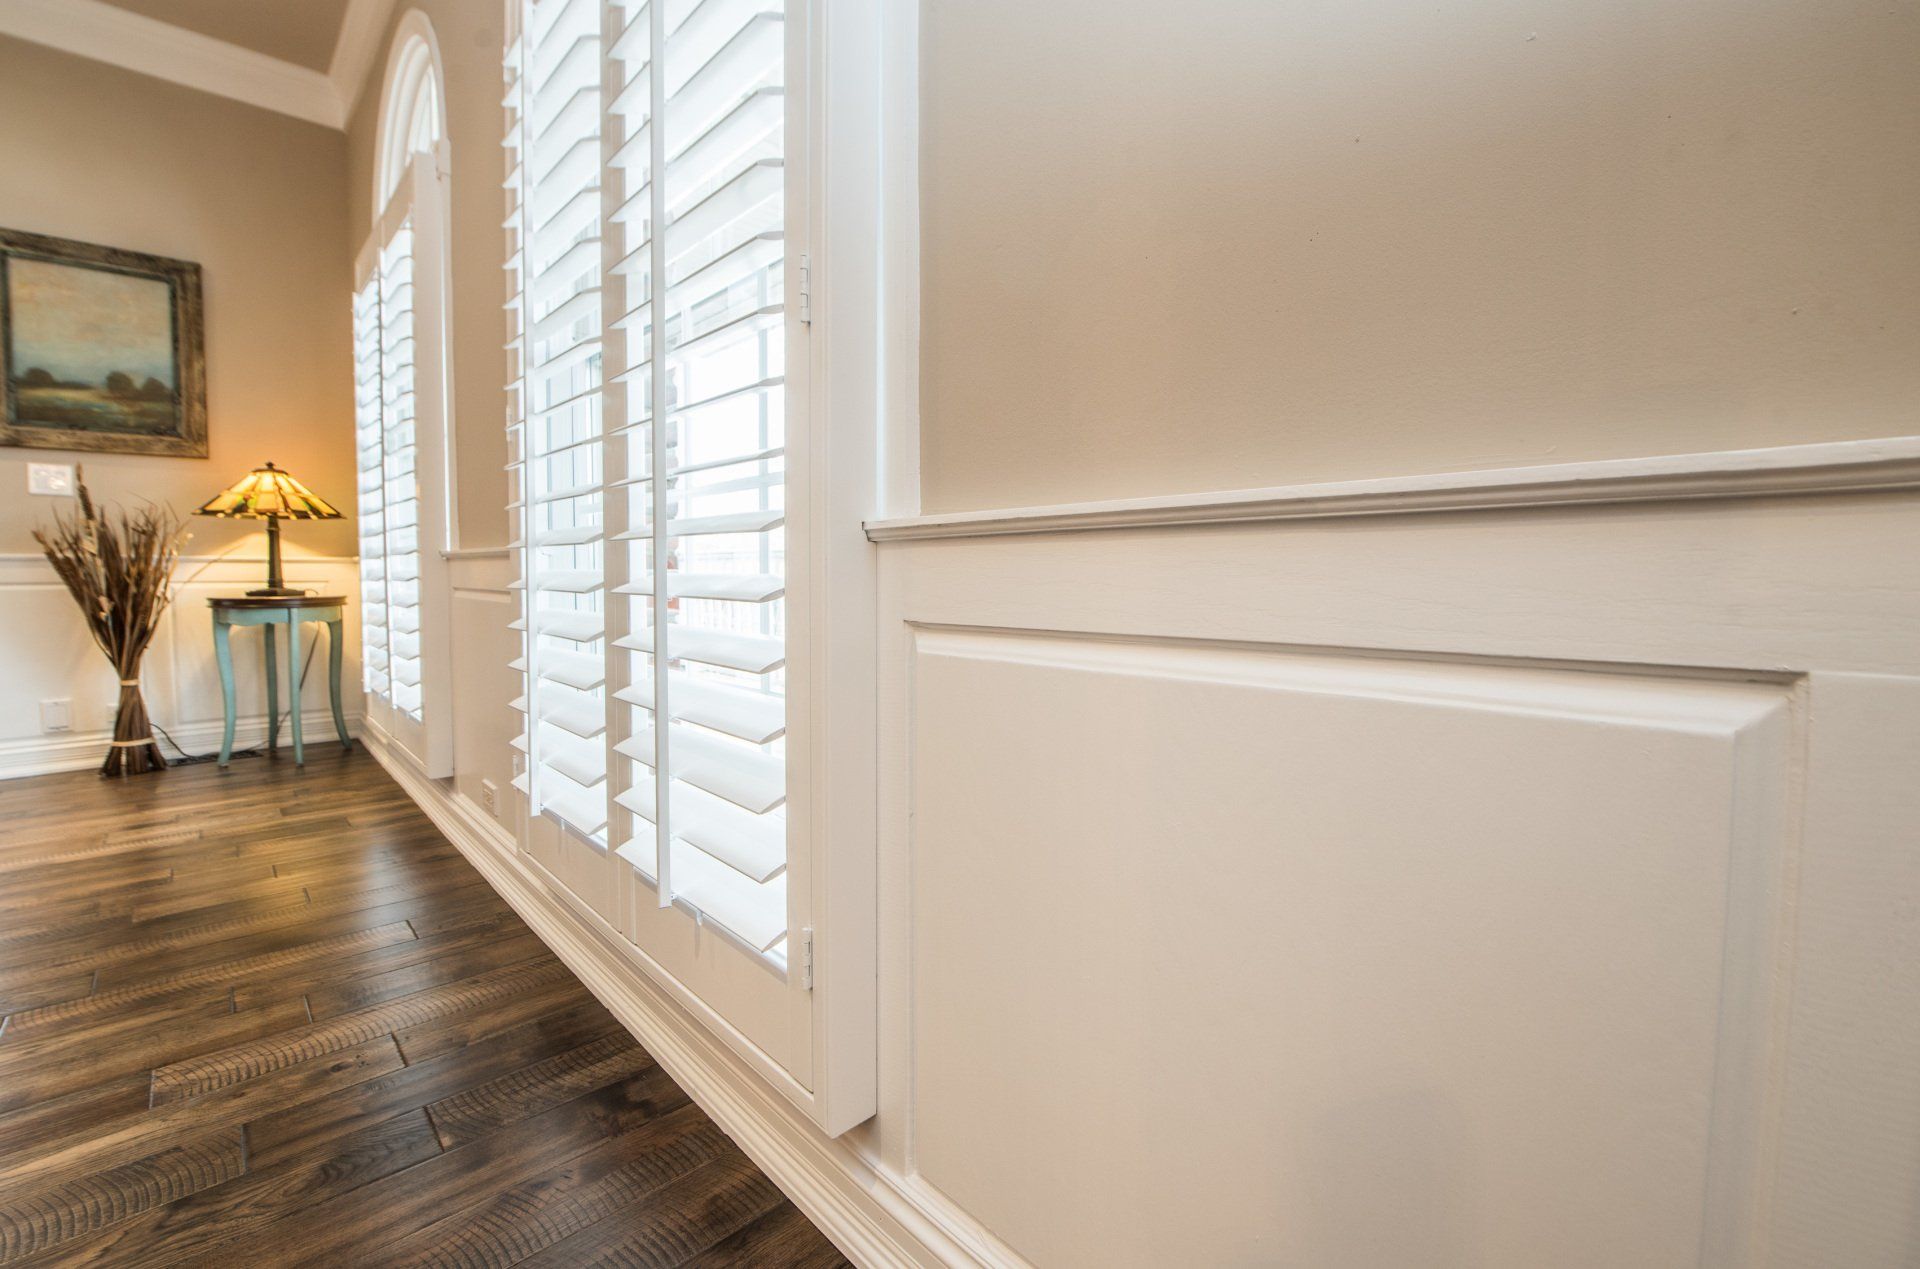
401,408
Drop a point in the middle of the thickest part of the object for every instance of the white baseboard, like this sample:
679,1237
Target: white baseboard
869,1215
77,751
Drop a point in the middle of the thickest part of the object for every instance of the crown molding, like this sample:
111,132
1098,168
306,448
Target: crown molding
355,53
89,28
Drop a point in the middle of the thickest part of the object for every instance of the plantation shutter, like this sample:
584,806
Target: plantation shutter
722,340
399,407
370,463
650,327
555,434
658,328
400,490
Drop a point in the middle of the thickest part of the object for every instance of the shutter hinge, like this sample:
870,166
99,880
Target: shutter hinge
806,958
806,288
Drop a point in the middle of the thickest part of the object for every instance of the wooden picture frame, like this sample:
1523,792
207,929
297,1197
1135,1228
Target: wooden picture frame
75,401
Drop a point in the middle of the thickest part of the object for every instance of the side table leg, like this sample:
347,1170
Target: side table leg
223,654
293,688
273,689
335,652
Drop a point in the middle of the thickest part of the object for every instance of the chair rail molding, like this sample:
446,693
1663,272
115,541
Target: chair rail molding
1888,463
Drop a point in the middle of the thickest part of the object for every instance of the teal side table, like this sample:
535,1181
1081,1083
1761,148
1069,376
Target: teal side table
267,612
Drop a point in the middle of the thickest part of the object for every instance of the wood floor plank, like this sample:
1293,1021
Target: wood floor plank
367,1219
321,1038
287,926
37,991
61,850
177,900
296,1132
484,1108
781,1236
33,1069
232,1212
24,890
87,945
106,1144
435,1036
673,1224
288,948
252,1058
241,969
334,979
497,952
606,1180
31,1128
24,1042
78,1208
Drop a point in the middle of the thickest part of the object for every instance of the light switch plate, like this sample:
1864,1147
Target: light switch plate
50,480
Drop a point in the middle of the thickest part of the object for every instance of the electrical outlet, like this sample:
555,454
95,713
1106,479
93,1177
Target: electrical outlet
488,798
50,480
56,715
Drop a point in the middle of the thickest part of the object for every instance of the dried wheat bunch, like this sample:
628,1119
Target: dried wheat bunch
119,569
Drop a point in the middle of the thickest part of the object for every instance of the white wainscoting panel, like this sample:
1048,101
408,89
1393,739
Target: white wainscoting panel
48,655
485,723
1509,887
1344,960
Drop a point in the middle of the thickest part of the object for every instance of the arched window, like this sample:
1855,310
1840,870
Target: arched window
403,405
412,110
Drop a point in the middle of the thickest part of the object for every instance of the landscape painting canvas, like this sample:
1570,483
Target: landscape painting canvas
101,348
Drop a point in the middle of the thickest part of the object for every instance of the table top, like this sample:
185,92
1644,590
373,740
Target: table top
229,602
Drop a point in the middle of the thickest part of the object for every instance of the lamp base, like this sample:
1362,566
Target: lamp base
276,587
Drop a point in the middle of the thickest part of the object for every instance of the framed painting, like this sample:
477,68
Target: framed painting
100,349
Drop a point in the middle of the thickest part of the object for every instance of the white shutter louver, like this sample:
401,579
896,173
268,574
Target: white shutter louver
370,464
649,328
556,442
387,459
399,484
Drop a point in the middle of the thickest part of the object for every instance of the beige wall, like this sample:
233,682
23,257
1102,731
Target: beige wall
1227,243
100,154
470,38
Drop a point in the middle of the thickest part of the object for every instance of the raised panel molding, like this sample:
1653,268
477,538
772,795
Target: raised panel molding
480,570
1729,680
1364,932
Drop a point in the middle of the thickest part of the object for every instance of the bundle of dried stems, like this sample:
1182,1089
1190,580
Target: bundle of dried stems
120,572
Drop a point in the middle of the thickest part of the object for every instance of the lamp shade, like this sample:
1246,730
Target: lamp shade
269,493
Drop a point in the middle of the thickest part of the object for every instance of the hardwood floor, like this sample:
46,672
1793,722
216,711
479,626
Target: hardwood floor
272,1017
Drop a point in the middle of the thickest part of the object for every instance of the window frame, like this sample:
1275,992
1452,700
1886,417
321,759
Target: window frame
411,192
826,1013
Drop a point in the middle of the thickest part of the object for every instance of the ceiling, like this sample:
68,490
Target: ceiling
302,32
